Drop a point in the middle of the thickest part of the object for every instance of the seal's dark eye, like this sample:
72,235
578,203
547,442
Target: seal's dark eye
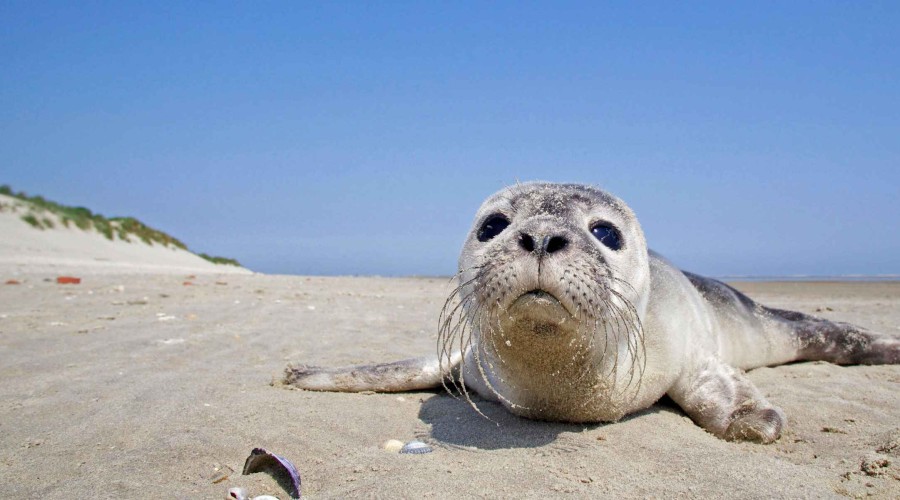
493,226
607,234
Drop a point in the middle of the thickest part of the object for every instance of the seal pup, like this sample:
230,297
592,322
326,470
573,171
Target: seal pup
562,313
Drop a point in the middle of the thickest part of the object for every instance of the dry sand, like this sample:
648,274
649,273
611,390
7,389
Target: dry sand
137,386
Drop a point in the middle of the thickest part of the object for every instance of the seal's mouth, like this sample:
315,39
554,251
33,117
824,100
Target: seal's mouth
539,297
539,306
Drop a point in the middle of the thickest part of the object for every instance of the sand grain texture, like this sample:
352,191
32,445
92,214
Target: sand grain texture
134,386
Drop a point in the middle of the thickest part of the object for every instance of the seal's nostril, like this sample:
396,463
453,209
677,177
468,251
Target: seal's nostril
526,242
555,244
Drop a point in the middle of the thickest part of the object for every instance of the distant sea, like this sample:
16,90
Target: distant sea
803,277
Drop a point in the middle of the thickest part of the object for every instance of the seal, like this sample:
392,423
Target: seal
562,313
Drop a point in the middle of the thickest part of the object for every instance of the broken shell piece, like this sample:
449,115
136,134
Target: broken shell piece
416,447
393,445
237,494
280,468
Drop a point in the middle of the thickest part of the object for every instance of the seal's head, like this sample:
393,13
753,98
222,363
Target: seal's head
553,285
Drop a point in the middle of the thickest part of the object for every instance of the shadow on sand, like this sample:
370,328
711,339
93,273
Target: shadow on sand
455,423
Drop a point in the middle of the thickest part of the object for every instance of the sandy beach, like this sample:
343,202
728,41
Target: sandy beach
140,385
203,202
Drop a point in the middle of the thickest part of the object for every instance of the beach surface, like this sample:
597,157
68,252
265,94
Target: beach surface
159,385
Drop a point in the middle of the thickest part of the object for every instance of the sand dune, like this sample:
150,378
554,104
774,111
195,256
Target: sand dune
70,250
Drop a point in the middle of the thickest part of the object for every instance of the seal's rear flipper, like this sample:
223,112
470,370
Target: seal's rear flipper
839,343
407,375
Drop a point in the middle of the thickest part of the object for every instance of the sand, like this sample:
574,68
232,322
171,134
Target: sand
138,386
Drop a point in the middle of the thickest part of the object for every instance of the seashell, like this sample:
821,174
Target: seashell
416,447
237,494
280,468
392,445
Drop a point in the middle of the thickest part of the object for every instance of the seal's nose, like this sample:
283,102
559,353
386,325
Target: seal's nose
548,245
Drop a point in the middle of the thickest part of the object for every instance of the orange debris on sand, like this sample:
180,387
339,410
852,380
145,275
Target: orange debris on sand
68,280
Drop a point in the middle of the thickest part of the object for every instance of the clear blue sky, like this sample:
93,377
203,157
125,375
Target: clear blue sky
359,138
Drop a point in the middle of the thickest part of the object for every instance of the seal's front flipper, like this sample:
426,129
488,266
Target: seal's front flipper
407,375
725,403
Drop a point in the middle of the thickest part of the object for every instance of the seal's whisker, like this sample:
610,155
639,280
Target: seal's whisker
479,348
451,324
449,331
469,398
592,328
635,340
495,314
621,326
459,324
627,320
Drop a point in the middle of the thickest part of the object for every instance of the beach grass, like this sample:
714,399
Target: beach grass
220,260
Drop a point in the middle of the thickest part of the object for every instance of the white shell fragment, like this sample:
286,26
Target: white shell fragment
393,445
416,447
